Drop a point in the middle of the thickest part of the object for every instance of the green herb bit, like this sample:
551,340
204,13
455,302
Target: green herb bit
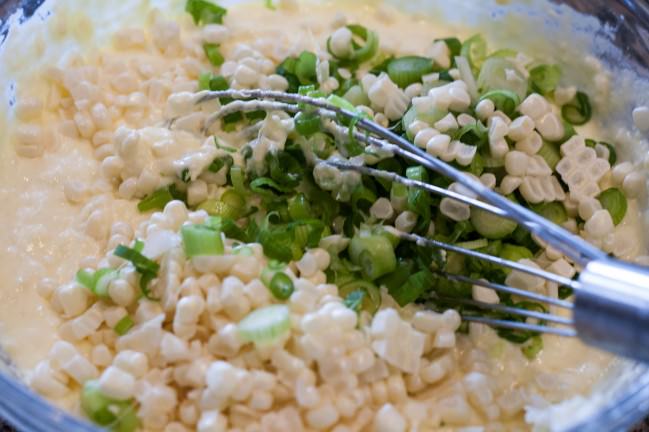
578,111
205,12
615,202
454,45
124,325
354,300
201,240
475,51
505,100
213,54
365,44
404,71
156,201
120,416
545,78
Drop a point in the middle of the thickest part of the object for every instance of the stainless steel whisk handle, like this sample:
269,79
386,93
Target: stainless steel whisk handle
612,308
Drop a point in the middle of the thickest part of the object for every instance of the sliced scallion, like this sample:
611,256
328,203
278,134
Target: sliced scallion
265,325
281,286
200,240
615,202
491,226
124,325
514,253
372,298
414,287
213,54
299,207
305,68
505,100
544,78
205,12
365,44
550,153
120,416
354,300
578,111
407,70
454,45
307,124
499,73
156,201
532,347
474,50
374,253
552,211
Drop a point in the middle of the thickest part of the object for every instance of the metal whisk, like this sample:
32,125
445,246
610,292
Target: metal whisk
611,301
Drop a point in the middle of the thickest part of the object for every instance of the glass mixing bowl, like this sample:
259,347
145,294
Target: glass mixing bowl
619,33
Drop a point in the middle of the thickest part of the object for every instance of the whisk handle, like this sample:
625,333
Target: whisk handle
612,308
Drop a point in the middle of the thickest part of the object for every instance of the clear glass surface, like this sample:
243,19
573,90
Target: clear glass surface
622,401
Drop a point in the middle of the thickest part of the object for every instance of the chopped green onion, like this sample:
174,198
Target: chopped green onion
454,45
474,134
305,68
404,71
156,201
532,347
201,240
514,253
124,325
615,202
284,169
268,187
545,78
372,298
473,244
237,176
307,124
374,253
119,416
552,211
97,282
220,162
612,154
215,207
205,12
204,81
565,292
141,263
266,325
419,201
213,54
491,226
231,205
339,102
578,111
224,147
550,153
365,44
504,100
281,286
501,74
354,300
414,287
299,207
229,228
474,50
356,96
147,269
504,53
